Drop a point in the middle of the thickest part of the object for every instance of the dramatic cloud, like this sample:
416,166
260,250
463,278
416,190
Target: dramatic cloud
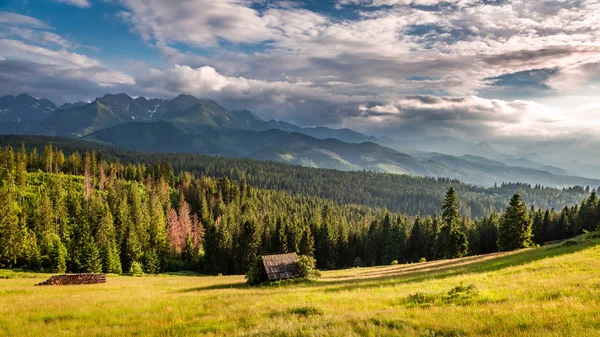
35,60
468,67
199,23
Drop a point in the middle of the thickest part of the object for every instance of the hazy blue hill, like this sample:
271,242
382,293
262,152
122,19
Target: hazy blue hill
157,137
273,145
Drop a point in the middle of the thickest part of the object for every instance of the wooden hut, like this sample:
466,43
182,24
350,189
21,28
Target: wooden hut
281,266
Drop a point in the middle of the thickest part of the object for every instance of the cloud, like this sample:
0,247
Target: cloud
52,81
14,19
469,67
281,98
200,23
35,36
77,3
474,117
38,61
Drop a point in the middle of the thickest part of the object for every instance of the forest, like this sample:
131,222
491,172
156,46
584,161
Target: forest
404,194
83,212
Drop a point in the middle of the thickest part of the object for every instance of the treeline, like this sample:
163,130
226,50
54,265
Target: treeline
397,193
82,213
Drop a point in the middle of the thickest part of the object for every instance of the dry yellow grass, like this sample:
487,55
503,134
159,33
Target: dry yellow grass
549,291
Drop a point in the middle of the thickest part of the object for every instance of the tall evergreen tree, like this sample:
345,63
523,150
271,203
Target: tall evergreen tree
248,245
515,227
307,243
452,241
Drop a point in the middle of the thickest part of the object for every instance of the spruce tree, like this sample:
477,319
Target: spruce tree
452,241
307,243
515,227
247,245
11,238
92,258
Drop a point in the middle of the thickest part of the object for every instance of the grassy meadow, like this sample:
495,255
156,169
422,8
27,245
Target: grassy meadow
547,291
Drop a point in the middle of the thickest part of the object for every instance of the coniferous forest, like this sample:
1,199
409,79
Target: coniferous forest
82,212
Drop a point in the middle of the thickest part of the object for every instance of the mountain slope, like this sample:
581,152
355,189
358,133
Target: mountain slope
299,149
80,121
274,145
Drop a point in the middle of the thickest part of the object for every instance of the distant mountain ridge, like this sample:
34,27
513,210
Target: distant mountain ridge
24,108
187,124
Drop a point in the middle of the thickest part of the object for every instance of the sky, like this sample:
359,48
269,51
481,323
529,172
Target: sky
474,69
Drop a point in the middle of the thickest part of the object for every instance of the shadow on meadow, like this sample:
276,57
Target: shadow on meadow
418,272
449,268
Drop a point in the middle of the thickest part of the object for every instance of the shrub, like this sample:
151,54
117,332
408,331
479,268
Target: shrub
257,274
136,269
306,267
422,260
358,262
305,311
151,262
461,294
395,262
463,291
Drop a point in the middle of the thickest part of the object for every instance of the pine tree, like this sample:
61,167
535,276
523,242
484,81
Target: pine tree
416,245
223,249
515,227
488,234
151,262
11,237
387,242
106,240
248,245
58,256
450,208
307,243
47,159
92,260
539,233
175,233
453,242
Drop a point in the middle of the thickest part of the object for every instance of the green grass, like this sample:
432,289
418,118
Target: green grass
548,291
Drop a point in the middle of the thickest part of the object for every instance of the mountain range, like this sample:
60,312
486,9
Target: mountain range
187,124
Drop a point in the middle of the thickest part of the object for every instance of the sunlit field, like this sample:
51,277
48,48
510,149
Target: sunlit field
548,291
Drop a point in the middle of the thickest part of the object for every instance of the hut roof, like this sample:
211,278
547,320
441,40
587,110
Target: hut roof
281,266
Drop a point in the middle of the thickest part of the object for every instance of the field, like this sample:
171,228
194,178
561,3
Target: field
547,291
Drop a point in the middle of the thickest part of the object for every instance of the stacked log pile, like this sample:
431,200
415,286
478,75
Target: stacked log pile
70,279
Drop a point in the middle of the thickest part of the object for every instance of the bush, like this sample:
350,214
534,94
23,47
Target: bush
306,267
305,311
395,262
136,269
257,274
459,295
358,262
422,260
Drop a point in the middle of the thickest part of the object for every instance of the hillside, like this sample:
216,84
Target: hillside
398,193
547,291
